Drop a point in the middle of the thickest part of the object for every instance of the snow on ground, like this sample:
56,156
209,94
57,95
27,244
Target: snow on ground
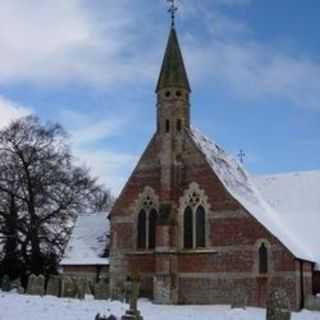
13,307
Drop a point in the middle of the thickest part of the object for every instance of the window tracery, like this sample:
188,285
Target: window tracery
193,213
147,208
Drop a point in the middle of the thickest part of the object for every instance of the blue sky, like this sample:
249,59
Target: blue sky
254,68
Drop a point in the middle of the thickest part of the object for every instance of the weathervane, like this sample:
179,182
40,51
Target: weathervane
172,9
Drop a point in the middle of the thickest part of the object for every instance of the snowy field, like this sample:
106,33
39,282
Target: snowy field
14,307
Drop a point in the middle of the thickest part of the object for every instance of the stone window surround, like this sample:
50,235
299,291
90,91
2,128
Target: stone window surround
147,201
257,257
186,201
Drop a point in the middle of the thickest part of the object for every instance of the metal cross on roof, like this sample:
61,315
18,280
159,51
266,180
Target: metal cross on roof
241,156
172,9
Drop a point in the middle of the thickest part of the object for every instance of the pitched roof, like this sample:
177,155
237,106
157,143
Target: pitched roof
263,205
88,241
173,72
296,197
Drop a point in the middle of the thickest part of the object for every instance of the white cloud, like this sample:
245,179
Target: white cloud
97,131
252,71
53,42
10,111
235,59
112,168
87,132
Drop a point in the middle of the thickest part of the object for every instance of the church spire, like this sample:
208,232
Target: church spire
173,73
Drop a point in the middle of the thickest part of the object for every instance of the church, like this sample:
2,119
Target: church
195,226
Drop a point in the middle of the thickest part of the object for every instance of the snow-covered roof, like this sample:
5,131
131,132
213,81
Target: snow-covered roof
255,200
88,241
296,197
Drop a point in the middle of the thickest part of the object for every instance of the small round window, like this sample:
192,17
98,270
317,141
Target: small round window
178,94
168,93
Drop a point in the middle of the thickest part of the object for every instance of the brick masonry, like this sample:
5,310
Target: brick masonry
172,166
233,235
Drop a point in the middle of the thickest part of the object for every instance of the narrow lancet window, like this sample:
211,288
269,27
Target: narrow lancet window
178,125
141,230
152,228
188,228
263,259
167,126
200,228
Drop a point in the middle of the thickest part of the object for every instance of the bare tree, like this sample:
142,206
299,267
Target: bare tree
41,192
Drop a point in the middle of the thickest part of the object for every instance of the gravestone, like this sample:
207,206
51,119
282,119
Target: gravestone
101,290
5,283
278,307
69,289
54,286
17,286
83,288
133,313
239,298
36,285
21,290
312,303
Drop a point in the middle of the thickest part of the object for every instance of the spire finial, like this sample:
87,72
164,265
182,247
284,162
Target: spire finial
172,10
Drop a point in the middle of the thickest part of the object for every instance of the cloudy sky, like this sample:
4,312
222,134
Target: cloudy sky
254,67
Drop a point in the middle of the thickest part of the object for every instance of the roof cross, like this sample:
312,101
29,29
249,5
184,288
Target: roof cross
241,156
172,9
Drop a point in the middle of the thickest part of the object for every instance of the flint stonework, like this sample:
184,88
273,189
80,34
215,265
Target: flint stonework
278,307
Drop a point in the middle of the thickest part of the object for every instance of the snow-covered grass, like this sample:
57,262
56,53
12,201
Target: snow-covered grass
14,307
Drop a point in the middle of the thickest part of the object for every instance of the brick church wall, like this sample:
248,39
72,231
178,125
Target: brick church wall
123,217
232,243
233,233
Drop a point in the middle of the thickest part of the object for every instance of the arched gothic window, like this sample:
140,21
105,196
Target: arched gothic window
200,228
263,259
152,228
141,230
146,206
194,217
188,228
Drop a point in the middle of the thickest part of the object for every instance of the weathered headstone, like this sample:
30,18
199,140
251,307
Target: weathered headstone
17,286
69,289
36,285
83,288
101,290
278,307
54,286
239,298
133,313
312,303
20,290
5,284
